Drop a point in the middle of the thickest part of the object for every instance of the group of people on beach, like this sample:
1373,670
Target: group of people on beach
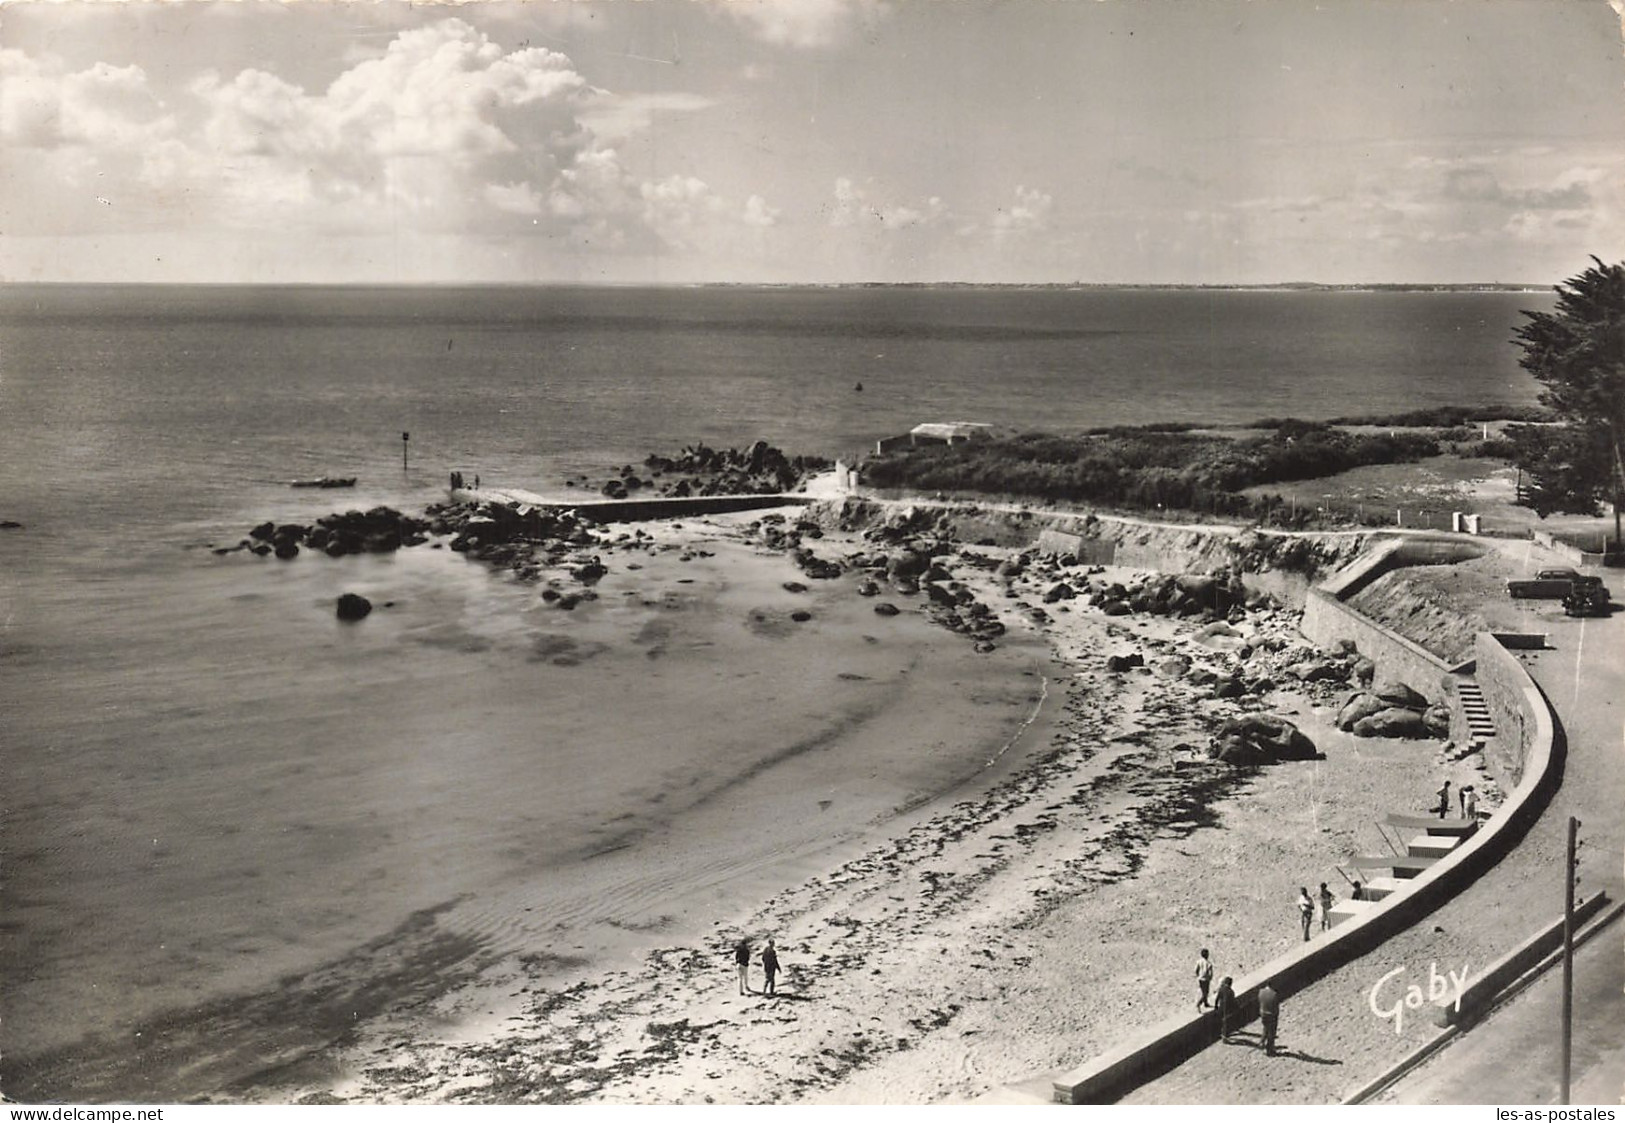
1307,906
770,966
1466,795
458,482
1227,1008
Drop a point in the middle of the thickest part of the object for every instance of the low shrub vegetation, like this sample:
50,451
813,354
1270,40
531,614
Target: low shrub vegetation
1146,469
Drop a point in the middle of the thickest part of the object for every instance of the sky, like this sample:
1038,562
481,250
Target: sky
811,141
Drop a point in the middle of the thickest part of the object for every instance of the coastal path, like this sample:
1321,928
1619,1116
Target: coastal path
1332,1040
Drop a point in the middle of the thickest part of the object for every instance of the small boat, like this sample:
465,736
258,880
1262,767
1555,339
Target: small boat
325,481
858,388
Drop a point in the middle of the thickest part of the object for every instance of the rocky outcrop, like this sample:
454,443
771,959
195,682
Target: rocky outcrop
699,469
1259,739
1393,709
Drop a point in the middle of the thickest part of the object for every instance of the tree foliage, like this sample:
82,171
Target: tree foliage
1577,353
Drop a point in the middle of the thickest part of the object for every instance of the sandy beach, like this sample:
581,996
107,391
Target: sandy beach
1050,897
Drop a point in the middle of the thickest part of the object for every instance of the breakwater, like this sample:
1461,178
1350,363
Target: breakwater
633,510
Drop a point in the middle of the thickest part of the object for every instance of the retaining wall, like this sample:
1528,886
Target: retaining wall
1501,676
1327,619
1171,1042
1573,554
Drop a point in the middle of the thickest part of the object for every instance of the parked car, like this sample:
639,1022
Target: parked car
1549,584
1588,597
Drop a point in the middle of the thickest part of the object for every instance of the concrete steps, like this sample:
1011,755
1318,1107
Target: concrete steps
1480,728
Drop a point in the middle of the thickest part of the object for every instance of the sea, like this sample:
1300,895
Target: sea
203,783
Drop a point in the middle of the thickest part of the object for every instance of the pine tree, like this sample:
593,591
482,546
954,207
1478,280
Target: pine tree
1577,353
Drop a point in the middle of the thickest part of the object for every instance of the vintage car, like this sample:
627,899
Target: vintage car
1549,584
1588,597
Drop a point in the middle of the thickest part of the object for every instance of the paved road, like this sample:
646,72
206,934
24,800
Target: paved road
1334,1043
1513,1056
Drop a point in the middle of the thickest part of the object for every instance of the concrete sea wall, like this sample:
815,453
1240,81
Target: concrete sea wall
1164,1046
1328,618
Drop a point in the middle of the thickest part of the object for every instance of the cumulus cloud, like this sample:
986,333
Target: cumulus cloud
803,23
443,131
1029,213
854,208
758,214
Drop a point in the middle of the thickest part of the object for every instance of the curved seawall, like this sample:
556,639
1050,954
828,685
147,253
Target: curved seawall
1531,754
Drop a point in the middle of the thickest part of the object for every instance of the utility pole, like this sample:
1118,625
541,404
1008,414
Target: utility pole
405,437
1568,958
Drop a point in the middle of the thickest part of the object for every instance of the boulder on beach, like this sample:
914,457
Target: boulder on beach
1124,662
801,616
353,606
1392,722
868,589
1058,592
1256,739
1359,706
1174,666
1401,695
1316,670
1437,720
886,608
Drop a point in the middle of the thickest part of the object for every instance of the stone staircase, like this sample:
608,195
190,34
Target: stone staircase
1479,726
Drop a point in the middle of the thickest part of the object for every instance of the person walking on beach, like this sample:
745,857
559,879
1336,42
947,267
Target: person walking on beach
1444,800
1306,909
1327,900
1461,797
1269,1015
1470,808
770,966
742,957
1204,979
1224,1004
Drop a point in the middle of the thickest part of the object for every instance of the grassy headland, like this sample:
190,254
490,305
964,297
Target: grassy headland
1184,467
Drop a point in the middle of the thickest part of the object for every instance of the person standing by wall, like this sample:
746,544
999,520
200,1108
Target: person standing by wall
1306,909
1269,1015
1327,900
1204,979
1224,1004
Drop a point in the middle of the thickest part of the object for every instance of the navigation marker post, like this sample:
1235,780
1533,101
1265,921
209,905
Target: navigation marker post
405,437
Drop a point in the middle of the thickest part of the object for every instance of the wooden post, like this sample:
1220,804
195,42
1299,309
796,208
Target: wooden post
405,437
1568,959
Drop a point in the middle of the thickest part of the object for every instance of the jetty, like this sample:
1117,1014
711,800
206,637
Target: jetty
632,510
